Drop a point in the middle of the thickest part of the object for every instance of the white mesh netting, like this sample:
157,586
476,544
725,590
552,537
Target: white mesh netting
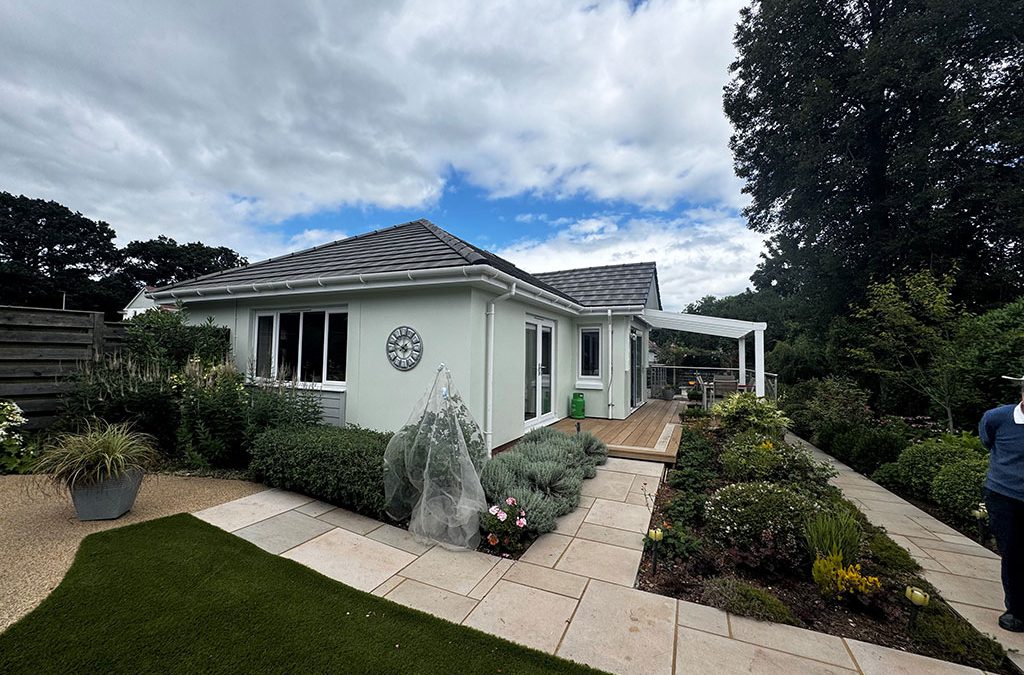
432,468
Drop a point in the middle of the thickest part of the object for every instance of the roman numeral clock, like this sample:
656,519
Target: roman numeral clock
404,348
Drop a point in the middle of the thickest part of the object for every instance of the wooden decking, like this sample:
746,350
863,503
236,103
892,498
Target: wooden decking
651,432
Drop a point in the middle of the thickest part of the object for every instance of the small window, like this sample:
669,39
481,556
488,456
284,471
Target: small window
590,352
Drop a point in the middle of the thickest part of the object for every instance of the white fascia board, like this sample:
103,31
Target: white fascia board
705,325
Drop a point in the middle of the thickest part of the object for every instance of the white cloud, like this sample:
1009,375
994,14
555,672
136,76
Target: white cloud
216,121
703,252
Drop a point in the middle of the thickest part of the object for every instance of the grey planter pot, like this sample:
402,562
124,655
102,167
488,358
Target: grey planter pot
107,499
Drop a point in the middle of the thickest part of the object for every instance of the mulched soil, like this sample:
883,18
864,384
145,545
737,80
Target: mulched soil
885,622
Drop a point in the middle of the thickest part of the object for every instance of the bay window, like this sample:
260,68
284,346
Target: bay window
302,346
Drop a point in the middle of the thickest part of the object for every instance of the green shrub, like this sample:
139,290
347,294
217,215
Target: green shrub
103,451
754,458
890,558
837,400
679,544
746,412
867,446
958,486
594,448
887,475
685,508
165,340
762,522
340,465
831,532
15,455
696,450
945,635
120,390
693,478
743,599
919,464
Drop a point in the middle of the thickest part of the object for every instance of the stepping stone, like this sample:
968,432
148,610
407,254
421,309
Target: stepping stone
608,485
279,533
441,603
528,616
546,549
622,630
792,640
877,660
251,509
351,559
699,653
592,559
456,571
622,516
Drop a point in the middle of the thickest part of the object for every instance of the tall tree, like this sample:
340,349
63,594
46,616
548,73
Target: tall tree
162,261
46,250
877,136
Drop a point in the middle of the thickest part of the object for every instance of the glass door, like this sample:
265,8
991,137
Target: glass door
540,371
636,342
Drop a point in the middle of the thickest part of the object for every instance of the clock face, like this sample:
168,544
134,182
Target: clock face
404,348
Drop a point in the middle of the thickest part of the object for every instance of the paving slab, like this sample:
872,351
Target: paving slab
593,559
700,653
386,587
638,499
457,571
570,522
279,533
622,630
546,549
353,522
245,511
634,466
490,579
351,559
528,616
792,640
970,565
399,538
546,579
315,508
644,483
987,621
439,602
877,660
611,535
702,617
978,592
612,485
972,548
628,517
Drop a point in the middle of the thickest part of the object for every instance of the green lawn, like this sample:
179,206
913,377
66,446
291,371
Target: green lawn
179,595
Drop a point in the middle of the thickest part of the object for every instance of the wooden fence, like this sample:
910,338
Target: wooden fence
40,347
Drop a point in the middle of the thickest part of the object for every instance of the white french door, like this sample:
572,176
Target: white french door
540,372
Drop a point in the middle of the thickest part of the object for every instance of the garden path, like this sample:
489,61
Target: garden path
964,572
570,594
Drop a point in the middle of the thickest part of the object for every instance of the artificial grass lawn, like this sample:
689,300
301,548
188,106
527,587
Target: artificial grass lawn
179,595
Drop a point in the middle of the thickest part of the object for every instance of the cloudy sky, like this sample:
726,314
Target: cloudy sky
557,134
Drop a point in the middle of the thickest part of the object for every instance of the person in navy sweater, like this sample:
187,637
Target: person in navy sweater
1002,432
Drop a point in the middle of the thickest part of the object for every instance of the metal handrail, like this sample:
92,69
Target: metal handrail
658,376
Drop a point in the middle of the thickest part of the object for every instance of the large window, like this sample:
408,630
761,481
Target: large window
305,346
590,352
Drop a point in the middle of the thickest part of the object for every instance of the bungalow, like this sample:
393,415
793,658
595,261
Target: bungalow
365,320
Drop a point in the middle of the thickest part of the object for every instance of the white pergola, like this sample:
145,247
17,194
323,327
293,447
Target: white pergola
727,328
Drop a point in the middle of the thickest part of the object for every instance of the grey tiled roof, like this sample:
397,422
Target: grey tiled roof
416,245
627,284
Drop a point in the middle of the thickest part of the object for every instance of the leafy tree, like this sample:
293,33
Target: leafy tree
880,135
163,261
47,250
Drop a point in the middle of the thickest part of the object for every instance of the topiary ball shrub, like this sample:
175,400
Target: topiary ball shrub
887,475
958,487
919,464
739,597
340,465
762,522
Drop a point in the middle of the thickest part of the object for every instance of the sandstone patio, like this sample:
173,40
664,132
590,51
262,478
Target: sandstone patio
570,594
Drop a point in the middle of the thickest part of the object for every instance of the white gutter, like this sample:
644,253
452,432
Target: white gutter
489,394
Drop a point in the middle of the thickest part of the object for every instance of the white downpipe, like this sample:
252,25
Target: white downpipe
611,363
489,403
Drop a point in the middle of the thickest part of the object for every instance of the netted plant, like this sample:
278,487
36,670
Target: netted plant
103,451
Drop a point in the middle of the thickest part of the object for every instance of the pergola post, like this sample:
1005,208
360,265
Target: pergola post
759,363
743,360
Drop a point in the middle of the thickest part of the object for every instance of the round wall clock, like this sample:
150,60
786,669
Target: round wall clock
404,348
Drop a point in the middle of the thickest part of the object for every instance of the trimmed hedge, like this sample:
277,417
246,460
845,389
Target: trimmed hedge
920,463
958,487
340,465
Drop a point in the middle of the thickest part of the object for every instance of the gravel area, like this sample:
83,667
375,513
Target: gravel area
39,533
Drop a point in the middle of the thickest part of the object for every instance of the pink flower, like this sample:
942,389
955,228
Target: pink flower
493,510
520,522
501,515
521,512
511,501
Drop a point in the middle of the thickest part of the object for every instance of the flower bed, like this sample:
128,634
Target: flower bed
751,525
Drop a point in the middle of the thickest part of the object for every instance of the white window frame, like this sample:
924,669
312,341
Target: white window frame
589,381
324,384
544,419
